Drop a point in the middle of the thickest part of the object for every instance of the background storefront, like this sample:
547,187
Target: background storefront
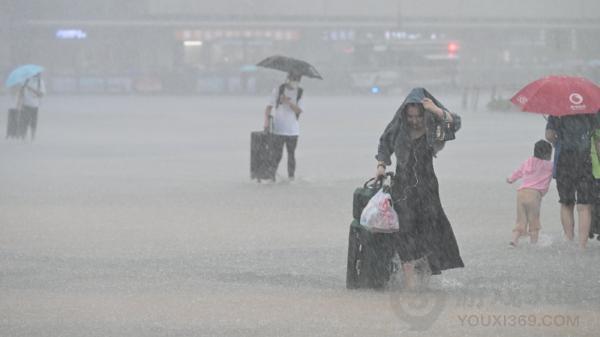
151,46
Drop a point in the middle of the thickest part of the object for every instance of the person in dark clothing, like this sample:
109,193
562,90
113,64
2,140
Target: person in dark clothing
571,137
415,135
290,143
27,105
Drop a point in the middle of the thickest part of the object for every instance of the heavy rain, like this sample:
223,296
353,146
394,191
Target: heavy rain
135,202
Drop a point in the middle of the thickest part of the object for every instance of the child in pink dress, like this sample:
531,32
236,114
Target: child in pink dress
537,174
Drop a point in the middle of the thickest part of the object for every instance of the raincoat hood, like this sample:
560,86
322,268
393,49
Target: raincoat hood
396,137
416,95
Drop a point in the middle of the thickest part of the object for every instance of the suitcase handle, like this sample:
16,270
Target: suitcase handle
377,182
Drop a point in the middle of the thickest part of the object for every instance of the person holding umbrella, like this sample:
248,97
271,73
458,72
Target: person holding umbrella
282,113
284,124
572,103
571,136
31,89
32,92
12,124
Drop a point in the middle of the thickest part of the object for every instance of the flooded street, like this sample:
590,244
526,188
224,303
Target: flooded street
135,216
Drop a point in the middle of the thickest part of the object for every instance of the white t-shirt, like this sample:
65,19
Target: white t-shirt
285,122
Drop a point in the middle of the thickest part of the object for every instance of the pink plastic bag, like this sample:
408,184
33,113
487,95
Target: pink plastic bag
379,214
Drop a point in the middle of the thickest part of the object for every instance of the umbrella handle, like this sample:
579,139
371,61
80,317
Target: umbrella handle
269,129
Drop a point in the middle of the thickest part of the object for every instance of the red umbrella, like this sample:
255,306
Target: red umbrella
559,96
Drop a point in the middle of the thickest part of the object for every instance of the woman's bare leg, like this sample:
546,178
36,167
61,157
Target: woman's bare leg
423,272
409,275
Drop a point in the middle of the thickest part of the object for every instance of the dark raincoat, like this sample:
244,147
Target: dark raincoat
426,229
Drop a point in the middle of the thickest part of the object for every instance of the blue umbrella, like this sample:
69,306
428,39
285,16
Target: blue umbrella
22,73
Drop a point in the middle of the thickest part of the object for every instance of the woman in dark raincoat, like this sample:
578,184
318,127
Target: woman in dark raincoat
417,132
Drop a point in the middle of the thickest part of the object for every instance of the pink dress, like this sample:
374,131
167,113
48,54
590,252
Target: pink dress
536,174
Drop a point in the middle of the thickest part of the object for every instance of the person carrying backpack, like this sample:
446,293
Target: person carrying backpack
282,120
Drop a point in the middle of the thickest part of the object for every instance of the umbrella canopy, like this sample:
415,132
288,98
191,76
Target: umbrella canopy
290,65
22,73
559,96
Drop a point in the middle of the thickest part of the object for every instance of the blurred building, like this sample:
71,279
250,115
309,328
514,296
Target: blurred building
210,47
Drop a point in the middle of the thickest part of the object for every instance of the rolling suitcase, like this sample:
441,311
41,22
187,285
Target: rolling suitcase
262,163
370,255
370,258
12,126
363,194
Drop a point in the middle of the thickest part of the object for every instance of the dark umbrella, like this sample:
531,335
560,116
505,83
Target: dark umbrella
290,65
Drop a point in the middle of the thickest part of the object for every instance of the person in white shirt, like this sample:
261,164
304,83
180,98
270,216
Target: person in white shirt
286,102
30,96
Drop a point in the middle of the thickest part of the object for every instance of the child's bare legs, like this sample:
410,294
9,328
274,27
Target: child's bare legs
533,217
533,237
528,215
516,234
521,224
534,223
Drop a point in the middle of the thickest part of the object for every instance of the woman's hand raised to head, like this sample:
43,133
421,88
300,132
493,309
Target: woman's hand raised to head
429,105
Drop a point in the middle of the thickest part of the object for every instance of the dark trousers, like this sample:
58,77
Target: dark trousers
27,119
290,143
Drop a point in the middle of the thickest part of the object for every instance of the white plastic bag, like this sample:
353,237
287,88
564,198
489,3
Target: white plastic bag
379,214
